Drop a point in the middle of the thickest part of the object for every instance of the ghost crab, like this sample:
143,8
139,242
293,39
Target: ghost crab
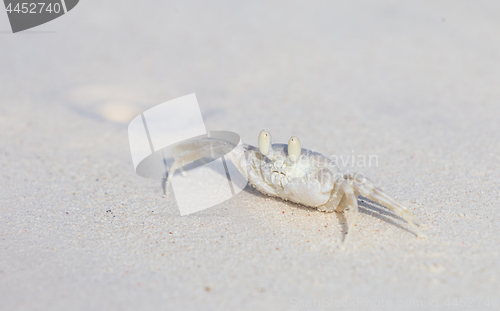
293,173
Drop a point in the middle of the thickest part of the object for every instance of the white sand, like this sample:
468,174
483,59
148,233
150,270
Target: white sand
417,85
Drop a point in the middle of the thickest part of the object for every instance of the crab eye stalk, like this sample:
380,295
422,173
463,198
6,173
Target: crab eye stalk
264,142
294,149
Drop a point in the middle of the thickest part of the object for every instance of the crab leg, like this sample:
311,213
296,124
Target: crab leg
368,189
190,152
352,205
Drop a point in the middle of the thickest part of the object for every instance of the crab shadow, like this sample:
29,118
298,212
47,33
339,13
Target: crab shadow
365,206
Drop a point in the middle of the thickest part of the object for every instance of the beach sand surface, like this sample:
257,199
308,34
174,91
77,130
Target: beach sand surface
415,85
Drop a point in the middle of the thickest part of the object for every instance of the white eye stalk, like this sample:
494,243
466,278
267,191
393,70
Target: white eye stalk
294,149
264,142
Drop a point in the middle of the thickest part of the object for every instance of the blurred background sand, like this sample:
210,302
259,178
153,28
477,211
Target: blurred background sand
416,84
